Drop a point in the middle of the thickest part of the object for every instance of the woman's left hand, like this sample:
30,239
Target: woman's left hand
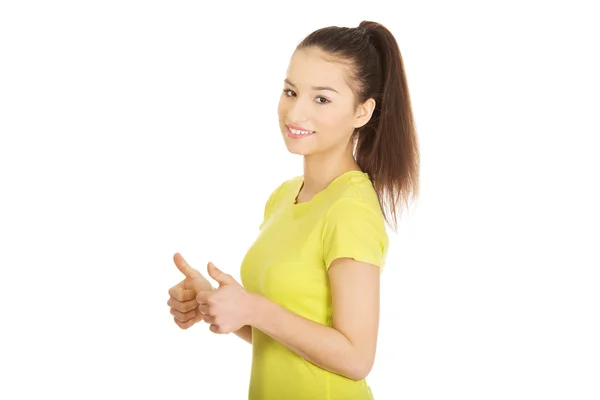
227,308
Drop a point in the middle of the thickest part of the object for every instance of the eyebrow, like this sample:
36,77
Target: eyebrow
314,87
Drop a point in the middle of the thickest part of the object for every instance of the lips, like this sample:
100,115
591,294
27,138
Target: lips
298,129
296,134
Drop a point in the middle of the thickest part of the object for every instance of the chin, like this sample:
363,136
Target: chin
300,153
295,149
301,147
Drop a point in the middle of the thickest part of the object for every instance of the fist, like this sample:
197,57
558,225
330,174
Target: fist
182,297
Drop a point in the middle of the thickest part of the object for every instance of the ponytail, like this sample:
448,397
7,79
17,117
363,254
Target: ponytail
387,146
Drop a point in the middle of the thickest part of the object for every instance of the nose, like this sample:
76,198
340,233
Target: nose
298,111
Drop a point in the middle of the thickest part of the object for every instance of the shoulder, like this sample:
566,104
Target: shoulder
285,186
354,227
355,195
279,191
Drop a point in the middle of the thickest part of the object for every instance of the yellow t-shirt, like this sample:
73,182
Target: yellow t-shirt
288,264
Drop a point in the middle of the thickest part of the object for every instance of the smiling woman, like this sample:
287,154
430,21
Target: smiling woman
309,298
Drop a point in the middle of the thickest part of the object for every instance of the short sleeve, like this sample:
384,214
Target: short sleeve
269,204
354,229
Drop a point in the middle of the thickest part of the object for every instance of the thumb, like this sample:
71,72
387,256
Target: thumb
184,267
221,277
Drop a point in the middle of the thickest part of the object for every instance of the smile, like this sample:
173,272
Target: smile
295,133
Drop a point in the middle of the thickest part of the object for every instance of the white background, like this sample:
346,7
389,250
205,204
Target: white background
134,130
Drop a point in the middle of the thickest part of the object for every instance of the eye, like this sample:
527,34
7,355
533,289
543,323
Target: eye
319,100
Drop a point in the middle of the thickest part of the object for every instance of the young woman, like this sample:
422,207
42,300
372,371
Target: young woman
309,304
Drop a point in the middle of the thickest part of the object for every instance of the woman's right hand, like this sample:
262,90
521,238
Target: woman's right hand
182,297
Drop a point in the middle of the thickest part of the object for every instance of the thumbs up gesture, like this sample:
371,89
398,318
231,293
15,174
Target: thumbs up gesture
227,308
182,297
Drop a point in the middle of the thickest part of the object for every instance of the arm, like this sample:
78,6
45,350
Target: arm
347,348
245,332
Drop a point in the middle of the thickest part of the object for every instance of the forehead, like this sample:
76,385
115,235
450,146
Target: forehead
313,67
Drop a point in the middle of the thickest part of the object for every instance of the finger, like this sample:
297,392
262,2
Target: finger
183,317
203,297
184,306
181,294
183,325
209,319
220,276
204,309
198,317
214,329
184,267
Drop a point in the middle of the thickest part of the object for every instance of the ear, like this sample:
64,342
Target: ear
364,112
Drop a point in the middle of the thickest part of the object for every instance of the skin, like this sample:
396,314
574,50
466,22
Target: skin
331,114
348,347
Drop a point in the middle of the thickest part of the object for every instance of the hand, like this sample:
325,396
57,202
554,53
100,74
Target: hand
182,297
227,308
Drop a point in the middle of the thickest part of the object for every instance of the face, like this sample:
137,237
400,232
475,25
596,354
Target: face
317,99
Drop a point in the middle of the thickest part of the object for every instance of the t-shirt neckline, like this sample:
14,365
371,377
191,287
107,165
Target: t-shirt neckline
299,186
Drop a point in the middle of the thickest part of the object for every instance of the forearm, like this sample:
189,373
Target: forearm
321,345
245,332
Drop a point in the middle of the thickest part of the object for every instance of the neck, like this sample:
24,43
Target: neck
319,173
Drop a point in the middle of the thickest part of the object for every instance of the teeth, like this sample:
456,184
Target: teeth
297,132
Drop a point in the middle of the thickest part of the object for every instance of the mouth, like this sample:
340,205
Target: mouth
297,133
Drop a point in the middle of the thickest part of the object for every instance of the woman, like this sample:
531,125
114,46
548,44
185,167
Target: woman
309,304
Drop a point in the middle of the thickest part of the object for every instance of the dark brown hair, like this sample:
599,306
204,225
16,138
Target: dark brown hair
387,146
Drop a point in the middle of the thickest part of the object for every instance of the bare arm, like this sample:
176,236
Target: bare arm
245,332
347,348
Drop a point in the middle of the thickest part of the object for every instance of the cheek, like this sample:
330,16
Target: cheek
330,120
282,109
